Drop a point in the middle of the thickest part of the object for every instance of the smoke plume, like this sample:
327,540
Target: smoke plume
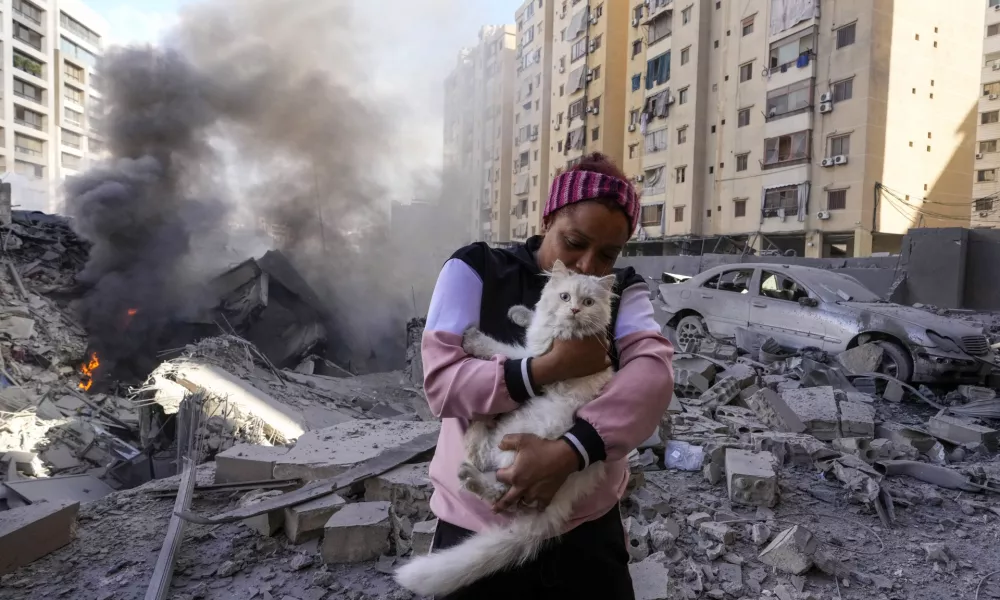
286,112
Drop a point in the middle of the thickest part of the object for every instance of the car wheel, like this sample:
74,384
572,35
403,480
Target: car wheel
690,330
896,361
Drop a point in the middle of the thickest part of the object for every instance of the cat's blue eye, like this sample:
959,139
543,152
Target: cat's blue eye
588,302
564,297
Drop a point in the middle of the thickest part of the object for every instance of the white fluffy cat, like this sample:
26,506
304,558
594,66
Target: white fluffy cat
571,306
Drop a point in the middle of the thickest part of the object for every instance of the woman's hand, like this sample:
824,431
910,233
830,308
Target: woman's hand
539,470
570,359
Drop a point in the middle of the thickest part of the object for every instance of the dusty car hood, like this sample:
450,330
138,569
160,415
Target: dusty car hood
927,320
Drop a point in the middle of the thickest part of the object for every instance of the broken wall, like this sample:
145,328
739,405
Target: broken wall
982,258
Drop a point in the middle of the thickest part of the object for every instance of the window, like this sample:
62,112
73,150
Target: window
71,161
785,148
985,118
636,82
577,108
992,30
85,32
656,141
781,287
28,118
28,145
987,146
742,161
73,117
986,175
27,64
984,204
992,58
595,134
658,70
95,146
736,281
578,51
596,73
843,90
26,90
682,135
785,197
597,42
73,95
28,36
73,72
678,214
748,26
739,208
70,139
686,15
77,52
636,48
840,144
994,3
682,96
845,35
652,215
29,170
836,200
788,51
28,11
653,182
637,12
743,118
660,28
746,72
990,89
789,99
681,173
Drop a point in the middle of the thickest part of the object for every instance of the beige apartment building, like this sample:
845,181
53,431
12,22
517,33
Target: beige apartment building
50,113
796,126
478,132
986,185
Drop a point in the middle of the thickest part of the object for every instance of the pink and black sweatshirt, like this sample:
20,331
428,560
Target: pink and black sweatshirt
476,287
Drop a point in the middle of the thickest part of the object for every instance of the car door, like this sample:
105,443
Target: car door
724,301
775,311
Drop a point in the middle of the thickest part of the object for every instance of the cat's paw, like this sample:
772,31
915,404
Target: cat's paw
476,343
471,479
520,315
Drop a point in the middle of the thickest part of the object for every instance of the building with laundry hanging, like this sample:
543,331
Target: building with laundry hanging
802,127
986,183
478,133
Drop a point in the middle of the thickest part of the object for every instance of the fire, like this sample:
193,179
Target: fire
133,312
87,372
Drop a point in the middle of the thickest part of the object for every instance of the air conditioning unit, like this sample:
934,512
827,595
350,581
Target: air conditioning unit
590,76
979,155
593,20
840,159
670,100
592,46
826,162
826,107
562,69
635,21
595,110
631,128
823,215
557,126
993,96
827,97
996,65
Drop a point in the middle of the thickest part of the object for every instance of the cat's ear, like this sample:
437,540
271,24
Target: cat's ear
607,282
559,269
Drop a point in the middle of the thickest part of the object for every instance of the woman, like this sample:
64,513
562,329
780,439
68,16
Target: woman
590,215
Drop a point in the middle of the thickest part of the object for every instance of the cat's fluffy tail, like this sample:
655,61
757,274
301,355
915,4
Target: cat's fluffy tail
481,555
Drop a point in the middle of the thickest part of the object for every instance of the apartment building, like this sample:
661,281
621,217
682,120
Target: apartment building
532,117
479,125
986,185
590,45
50,115
794,126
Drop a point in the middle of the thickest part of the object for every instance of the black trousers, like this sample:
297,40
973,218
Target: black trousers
589,562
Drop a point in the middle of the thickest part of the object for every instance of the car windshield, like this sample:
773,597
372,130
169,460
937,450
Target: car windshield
841,288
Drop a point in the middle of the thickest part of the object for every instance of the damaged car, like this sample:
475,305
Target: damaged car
805,307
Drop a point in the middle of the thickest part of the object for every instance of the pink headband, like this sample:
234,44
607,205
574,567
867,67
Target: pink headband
574,186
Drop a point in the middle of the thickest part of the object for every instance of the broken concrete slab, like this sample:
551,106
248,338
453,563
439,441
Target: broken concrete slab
651,578
246,462
817,409
791,551
268,523
742,373
689,384
866,358
423,536
306,521
795,448
772,410
17,328
637,535
408,488
857,419
329,452
719,532
905,436
357,533
696,364
31,532
77,488
893,392
958,431
751,478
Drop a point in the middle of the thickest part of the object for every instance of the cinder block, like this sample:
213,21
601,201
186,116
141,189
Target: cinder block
957,431
306,521
859,447
772,410
638,539
408,488
722,392
696,364
816,408
423,536
357,533
246,462
791,551
31,532
751,478
651,578
857,420
862,359
690,384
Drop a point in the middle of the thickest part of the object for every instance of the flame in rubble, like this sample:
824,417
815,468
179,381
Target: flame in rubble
87,372
133,312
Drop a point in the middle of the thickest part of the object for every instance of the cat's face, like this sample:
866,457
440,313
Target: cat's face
580,303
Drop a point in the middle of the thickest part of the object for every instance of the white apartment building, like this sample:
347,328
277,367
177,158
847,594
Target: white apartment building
986,184
811,127
50,110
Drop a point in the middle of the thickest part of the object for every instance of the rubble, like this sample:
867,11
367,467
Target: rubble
791,551
423,535
307,520
751,478
960,432
357,533
246,462
31,532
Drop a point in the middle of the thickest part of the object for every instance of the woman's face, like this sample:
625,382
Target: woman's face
587,237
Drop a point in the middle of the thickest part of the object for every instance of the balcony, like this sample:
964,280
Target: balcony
28,65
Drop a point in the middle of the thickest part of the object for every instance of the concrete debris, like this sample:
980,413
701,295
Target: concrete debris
958,431
408,488
751,478
423,535
772,410
760,534
817,409
720,532
689,384
791,551
266,524
651,578
246,462
638,539
357,533
306,521
31,532
863,359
